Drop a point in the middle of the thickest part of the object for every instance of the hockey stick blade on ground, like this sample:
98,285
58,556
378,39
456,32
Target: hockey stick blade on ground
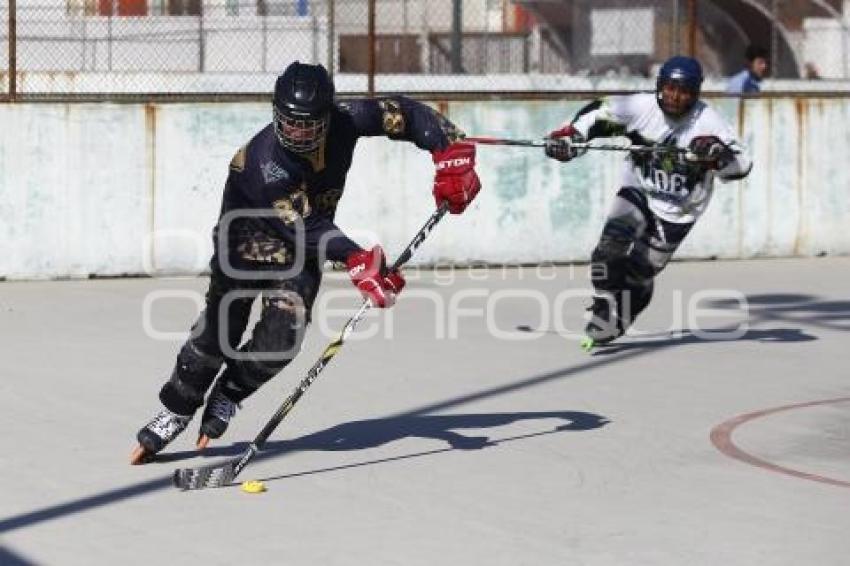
217,475
223,474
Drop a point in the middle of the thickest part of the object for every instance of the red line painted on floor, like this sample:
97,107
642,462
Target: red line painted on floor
721,437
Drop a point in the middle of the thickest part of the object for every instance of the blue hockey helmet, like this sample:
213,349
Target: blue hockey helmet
683,71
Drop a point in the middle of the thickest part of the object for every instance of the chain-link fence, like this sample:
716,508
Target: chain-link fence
65,48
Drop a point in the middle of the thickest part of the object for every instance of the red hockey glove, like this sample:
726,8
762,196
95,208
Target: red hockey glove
711,152
456,181
368,272
560,144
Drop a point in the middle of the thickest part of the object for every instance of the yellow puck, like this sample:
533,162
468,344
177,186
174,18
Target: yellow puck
253,486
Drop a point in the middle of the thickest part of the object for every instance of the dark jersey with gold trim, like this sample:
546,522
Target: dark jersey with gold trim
277,202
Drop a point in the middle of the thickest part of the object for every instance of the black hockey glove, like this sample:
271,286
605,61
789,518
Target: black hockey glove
560,144
711,152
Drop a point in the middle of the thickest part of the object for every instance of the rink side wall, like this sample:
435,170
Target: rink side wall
115,189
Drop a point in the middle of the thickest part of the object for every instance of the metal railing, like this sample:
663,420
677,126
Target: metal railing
72,48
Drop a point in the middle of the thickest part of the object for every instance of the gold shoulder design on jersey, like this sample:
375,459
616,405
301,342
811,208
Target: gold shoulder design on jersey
392,119
238,161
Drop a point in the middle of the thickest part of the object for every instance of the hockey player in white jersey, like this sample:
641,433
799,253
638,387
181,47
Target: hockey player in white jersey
662,193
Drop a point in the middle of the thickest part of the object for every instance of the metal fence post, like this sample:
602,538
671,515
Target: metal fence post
457,30
201,46
13,48
692,28
372,46
314,36
677,30
112,8
264,61
330,38
84,49
774,36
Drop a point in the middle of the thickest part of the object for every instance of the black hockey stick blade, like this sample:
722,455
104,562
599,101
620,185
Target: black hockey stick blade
200,478
218,475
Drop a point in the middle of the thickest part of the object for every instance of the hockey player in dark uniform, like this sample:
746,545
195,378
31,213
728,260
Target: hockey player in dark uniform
275,231
662,193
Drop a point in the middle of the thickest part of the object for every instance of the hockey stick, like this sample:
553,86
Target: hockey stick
222,474
634,148
485,140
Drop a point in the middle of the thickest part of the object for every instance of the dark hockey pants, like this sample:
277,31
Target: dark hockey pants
635,246
275,341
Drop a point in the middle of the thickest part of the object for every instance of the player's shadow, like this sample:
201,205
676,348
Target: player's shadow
377,432
719,335
371,433
793,308
9,558
761,309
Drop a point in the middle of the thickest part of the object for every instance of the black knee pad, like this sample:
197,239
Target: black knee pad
610,248
193,374
608,263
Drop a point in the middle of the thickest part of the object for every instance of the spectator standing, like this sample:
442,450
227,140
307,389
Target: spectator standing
749,79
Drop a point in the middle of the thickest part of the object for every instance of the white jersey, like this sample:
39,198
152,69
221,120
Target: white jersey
677,191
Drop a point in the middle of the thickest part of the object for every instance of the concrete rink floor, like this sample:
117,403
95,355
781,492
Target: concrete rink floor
441,435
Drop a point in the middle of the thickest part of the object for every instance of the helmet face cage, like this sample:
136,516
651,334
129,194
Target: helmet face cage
299,134
685,77
688,86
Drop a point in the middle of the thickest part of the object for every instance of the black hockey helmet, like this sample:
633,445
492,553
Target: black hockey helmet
686,72
303,97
